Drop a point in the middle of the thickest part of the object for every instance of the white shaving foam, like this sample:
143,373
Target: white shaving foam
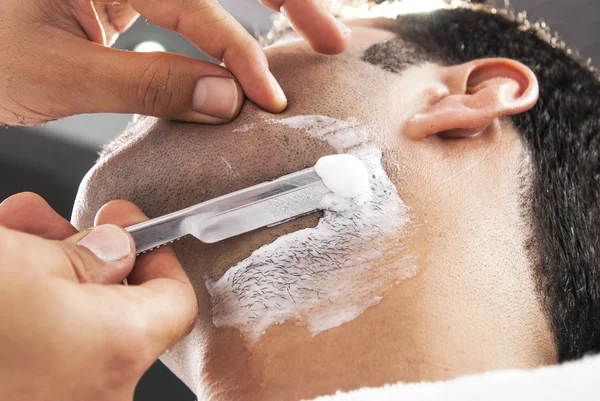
344,175
325,276
245,128
339,134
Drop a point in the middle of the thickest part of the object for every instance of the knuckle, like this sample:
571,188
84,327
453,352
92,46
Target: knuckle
18,114
18,108
216,21
156,85
29,199
247,49
126,364
131,356
175,20
248,45
74,258
209,13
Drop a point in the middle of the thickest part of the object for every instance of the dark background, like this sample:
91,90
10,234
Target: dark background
51,160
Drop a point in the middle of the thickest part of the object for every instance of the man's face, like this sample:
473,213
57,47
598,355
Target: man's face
468,301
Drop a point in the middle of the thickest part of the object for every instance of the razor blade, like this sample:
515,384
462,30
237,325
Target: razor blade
264,205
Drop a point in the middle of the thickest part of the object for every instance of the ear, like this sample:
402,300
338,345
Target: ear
475,95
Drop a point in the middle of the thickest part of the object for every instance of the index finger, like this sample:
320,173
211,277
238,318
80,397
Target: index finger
323,32
30,213
214,31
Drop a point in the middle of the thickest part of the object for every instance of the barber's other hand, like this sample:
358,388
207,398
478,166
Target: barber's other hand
68,330
54,59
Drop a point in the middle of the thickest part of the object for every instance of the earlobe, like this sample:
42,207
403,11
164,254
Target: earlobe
479,92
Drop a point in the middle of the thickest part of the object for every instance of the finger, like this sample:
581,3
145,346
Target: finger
161,262
323,32
157,84
89,21
30,213
115,18
214,31
165,305
103,255
102,22
124,214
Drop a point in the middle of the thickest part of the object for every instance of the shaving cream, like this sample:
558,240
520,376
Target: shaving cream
344,175
339,134
325,276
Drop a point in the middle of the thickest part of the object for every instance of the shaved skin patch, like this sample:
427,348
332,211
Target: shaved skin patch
339,134
325,276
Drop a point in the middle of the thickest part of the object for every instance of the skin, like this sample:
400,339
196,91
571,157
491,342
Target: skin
472,306
72,308
67,283
56,52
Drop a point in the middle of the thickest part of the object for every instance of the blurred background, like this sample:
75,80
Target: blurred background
51,160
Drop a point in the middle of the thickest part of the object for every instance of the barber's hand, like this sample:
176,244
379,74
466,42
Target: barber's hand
54,61
68,330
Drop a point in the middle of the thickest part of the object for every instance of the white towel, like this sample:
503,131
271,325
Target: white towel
577,381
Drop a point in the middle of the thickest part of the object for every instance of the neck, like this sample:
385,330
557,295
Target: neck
472,307
412,335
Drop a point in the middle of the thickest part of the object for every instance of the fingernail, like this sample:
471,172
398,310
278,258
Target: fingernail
281,99
343,27
108,242
216,96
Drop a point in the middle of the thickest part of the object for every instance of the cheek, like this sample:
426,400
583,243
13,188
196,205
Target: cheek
321,277
211,261
465,199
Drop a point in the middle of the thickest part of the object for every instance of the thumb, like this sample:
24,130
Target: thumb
163,85
104,254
